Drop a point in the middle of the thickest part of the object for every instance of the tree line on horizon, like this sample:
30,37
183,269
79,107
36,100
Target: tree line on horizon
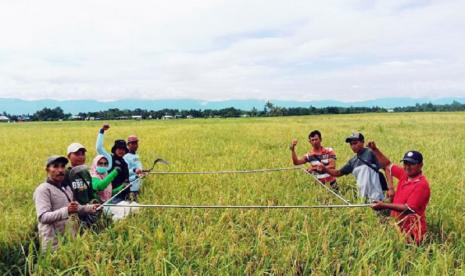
269,110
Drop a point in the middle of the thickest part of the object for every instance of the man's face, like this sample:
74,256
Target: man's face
133,146
120,152
356,145
315,141
56,172
77,158
411,169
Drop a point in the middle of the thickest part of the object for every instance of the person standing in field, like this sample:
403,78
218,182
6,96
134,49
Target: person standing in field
365,167
78,178
101,179
115,160
411,197
54,204
318,155
134,167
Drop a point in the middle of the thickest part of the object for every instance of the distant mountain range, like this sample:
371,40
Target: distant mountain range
18,106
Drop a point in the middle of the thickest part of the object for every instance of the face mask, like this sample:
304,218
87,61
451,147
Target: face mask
101,170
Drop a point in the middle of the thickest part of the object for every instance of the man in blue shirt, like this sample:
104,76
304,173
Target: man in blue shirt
134,166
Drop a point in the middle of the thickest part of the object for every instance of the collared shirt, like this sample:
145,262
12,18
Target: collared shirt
322,157
133,161
415,194
51,202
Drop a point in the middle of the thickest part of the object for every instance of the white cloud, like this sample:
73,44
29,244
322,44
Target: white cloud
213,50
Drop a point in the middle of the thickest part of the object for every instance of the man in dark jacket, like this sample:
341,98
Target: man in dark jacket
116,159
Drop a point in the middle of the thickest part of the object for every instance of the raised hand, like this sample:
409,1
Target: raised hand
293,144
372,145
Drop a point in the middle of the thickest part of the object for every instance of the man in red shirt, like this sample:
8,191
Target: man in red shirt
318,155
411,196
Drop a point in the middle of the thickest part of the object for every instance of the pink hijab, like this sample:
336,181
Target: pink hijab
105,194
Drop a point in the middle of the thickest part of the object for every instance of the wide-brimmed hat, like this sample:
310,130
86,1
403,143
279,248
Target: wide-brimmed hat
119,144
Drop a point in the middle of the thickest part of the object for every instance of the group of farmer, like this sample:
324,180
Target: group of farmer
72,195
407,202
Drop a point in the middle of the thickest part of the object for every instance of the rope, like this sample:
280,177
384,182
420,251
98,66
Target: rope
231,171
328,189
164,206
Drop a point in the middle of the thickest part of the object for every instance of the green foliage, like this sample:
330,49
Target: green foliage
322,242
429,107
48,114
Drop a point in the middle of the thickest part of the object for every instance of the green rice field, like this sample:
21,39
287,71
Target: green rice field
219,242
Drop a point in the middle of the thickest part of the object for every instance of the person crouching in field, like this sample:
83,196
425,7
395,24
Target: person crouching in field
411,196
364,166
318,155
101,179
115,160
54,204
134,167
78,178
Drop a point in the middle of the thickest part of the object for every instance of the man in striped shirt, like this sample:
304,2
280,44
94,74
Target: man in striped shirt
317,156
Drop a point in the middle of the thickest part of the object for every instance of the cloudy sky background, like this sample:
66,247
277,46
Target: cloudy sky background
218,50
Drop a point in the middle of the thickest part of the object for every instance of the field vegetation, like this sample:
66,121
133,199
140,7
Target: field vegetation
172,241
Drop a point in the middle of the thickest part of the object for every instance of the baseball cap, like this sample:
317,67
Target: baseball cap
74,147
132,138
413,157
56,159
356,136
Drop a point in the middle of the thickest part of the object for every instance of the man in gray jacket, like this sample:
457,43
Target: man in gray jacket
54,203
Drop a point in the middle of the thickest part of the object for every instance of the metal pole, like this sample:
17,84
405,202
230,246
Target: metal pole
118,193
231,171
328,189
165,206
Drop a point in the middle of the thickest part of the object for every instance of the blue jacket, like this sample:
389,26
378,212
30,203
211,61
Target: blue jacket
134,163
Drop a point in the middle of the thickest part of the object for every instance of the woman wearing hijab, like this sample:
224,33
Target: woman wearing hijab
101,179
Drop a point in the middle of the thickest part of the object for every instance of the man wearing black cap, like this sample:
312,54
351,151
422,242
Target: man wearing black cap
364,166
412,195
116,159
54,204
